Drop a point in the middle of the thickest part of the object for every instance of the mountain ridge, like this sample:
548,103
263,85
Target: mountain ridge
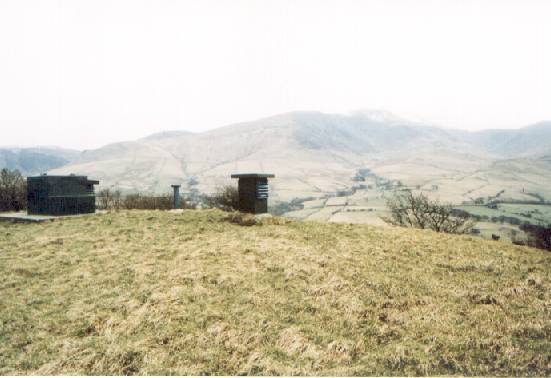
315,154
35,160
312,153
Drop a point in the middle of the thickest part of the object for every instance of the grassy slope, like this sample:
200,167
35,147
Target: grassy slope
161,293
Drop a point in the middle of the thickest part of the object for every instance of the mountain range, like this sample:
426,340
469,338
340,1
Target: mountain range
32,161
313,154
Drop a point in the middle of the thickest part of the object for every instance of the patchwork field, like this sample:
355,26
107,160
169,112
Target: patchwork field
368,206
361,207
199,292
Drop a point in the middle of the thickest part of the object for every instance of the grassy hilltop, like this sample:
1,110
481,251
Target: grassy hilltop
196,293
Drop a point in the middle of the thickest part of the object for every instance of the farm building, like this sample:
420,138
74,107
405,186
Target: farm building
60,195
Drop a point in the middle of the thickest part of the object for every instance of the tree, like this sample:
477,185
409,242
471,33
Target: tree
418,211
13,191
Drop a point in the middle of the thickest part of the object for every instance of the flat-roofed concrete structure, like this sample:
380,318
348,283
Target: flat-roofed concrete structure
253,192
60,195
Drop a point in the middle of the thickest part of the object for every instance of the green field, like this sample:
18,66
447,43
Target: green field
533,214
199,292
369,207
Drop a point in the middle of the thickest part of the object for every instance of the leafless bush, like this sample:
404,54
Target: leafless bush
109,200
13,191
143,202
418,211
225,198
114,200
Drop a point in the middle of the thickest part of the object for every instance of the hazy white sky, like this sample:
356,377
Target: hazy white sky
85,73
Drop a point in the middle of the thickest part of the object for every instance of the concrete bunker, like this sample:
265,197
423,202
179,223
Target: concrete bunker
60,195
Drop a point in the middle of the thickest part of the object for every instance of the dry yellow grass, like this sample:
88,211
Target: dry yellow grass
198,292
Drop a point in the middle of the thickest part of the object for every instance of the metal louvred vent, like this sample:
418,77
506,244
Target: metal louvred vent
262,191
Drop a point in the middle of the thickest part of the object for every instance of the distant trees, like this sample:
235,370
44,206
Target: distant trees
418,211
13,191
281,208
479,201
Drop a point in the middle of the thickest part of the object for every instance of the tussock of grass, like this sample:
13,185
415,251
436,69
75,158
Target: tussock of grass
151,292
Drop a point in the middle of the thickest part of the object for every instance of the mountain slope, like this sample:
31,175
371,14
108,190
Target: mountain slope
530,140
311,153
32,161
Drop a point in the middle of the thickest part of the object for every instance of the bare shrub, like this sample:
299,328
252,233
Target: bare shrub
143,202
225,198
113,200
13,191
109,200
418,211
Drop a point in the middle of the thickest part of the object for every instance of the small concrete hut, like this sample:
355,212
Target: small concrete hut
60,195
253,192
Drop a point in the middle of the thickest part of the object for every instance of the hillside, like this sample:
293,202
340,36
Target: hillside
33,161
195,293
527,141
314,154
